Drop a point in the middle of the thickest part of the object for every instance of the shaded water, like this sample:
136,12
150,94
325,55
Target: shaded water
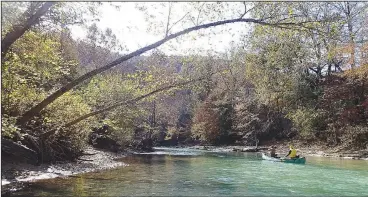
188,172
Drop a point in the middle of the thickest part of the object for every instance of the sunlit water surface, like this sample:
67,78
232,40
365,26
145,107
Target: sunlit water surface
190,172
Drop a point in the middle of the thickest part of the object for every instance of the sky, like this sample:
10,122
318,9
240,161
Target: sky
130,26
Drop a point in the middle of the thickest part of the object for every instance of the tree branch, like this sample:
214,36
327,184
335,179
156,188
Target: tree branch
245,10
199,13
37,109
178,21
168,21
19,29
131,101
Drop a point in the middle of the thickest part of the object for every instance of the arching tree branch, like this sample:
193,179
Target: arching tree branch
131,101
19,29
37,109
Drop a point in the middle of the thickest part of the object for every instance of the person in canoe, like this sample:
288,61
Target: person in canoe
292,153
273,152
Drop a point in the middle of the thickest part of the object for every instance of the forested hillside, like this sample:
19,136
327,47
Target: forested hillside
300,72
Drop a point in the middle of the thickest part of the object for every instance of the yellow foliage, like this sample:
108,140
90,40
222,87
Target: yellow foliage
360,72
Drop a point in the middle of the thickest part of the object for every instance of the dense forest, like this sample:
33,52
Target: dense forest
300,72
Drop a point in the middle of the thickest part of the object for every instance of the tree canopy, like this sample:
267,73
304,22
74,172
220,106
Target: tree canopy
292,69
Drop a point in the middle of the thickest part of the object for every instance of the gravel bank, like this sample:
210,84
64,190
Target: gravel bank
14,174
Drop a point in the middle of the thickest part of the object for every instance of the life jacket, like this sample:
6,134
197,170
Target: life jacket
293,153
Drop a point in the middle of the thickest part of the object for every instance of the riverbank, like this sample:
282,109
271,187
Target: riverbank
191,172
321,150
282,148
13,174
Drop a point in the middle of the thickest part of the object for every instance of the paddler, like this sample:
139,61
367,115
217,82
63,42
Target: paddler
292,153
273,151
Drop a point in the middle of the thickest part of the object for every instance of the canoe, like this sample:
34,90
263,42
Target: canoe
300,160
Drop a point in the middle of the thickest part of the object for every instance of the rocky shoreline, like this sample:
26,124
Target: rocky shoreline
15,174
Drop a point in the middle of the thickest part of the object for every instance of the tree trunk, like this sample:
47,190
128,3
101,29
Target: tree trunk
351,34
18,30
37,109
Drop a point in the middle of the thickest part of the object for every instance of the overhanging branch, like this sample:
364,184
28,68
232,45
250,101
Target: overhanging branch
37,109
131,101
19,29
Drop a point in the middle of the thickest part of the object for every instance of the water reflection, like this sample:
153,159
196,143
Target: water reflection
79,187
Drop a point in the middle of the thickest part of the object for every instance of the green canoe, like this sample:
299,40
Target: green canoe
300,160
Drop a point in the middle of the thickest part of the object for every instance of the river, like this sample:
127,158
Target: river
191,172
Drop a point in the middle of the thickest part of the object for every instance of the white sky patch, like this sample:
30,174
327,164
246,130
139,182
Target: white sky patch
130,26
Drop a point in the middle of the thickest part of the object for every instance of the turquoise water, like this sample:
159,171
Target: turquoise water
188,172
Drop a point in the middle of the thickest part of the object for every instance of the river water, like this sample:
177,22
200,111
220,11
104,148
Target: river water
190,172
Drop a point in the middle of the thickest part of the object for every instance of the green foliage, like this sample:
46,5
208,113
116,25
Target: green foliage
306,120
123,123
279,74
66,108
275,69
8,126
33,68
104,90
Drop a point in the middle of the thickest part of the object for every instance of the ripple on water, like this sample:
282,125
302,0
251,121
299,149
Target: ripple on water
185,172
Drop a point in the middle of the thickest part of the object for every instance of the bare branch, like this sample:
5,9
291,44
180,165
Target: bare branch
250,9
178,21
168,20
245,10
199,13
